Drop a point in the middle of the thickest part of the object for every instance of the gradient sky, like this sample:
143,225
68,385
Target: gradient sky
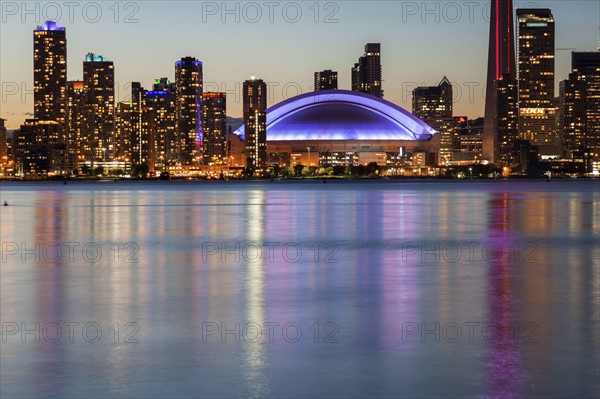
419,46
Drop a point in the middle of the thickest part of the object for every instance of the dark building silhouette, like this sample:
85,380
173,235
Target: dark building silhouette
75,119
326,80
366,73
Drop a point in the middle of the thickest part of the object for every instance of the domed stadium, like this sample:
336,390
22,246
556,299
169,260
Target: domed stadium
341,115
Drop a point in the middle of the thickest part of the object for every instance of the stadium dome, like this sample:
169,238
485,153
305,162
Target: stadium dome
341,115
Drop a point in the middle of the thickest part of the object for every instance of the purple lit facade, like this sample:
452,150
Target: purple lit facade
341,115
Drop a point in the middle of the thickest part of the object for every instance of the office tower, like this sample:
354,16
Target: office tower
326,80
160,108
254,97
99,94
579,110
537,113
506,112
75,119
433,105
366,73
188,81
255,123
50,72
123,131
215,127
501,67
142,140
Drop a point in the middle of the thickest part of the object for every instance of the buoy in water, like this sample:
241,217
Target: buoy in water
5,203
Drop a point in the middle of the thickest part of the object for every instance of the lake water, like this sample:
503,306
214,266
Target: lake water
300,289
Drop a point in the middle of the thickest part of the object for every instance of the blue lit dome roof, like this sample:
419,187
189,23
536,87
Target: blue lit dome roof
341,115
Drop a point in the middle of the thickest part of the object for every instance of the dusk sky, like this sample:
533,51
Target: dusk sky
418,46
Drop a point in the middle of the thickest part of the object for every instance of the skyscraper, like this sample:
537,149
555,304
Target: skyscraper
366,73
579,107
75,119
501,67
255,123
537,111
99,94
3,152
123,131
215,127
142,140
188,81
160,106
50,72
433,105
326,80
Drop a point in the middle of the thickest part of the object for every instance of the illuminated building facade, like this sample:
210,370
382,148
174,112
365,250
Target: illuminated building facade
255,123
342,127
159,111
3,147
99,115
537,111
50,72
75,118
189,81
326,80
40,149
215,127
123,131
142,131
433,105
506,112
366,73
579,107
501,74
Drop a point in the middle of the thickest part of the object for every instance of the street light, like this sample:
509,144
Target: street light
470,172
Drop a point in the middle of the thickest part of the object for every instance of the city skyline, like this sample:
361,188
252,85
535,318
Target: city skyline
221,74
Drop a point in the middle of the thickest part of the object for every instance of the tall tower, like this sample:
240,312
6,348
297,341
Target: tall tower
50,72
214,106
99,95
188,80
537,111
501,68
255,123
366,73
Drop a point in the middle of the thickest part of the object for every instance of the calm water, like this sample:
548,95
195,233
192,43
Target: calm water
379,289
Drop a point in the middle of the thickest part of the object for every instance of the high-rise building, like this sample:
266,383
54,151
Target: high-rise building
326,80
189,81
50,72
506,113
215,127
366,73
39,148
160,106
254,97
433,105
142,142
123,131
75,119
501,75
537,112
579,109
99,119
255,123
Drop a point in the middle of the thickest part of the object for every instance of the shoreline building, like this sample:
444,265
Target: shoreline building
214,105
99,108
50,72
537,109
499,129
255,124
188,83
433,105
